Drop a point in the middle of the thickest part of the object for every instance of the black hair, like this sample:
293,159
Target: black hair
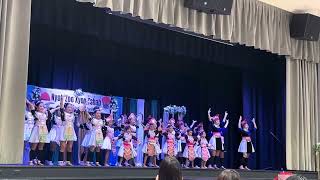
170,169
229,174
66,105
38,103
95,109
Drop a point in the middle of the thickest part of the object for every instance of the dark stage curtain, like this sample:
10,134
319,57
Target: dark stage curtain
69,49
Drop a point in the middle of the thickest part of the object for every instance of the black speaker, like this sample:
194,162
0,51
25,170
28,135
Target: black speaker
305,27
210,6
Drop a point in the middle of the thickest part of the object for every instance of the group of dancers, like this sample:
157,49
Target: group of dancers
97,134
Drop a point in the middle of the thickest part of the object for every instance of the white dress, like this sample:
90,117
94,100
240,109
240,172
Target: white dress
151,139
39,132
95,136
87,135
56,131
191,144
68,132
127,143
107,142
28,125
170,143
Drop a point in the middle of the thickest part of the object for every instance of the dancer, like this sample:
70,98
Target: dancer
127,151
109,139
39,135
151,148
55,135
95,138
182,128
28,126
216,142
246,146
84,133
171,137
68,133
189,152
203,151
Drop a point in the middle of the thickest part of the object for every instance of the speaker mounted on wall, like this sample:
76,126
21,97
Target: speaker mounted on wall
305,27
222,7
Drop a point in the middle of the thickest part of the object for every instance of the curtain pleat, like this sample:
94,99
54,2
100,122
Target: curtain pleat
14,52
252,23
302,114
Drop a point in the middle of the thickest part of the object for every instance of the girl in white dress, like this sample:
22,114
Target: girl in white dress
67,134
39,135
54,134
246,146
151,147
109,139
28,126
95,138
127,151
84,133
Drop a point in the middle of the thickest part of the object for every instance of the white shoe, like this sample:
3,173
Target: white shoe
241,167
68,163
222,167
61,163
88,164
247,168
49,163
98,164
31,163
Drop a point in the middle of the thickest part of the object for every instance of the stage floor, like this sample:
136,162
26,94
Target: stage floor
27,172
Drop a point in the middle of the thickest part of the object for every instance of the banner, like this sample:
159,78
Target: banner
51,98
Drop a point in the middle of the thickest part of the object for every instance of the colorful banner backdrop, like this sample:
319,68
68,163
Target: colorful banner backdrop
52,97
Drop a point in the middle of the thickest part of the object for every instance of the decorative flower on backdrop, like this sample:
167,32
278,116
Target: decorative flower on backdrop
36,94
182,110
78,92
172,109
114,105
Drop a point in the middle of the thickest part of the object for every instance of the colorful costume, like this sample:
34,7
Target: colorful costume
127,150
190,151
40,132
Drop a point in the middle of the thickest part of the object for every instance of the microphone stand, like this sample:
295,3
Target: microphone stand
279,142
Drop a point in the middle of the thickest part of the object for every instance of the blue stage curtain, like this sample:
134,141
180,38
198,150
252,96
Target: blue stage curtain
262,97
133,106
130,59
154,108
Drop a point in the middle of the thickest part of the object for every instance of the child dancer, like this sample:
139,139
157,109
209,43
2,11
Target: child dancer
68,135
28,126
84,132
127,151
95,138
151,148
216,142
39,135
54,134
189,152
171,137
246,146
109,139
203,150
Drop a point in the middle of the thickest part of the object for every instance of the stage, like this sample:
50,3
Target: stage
77,172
